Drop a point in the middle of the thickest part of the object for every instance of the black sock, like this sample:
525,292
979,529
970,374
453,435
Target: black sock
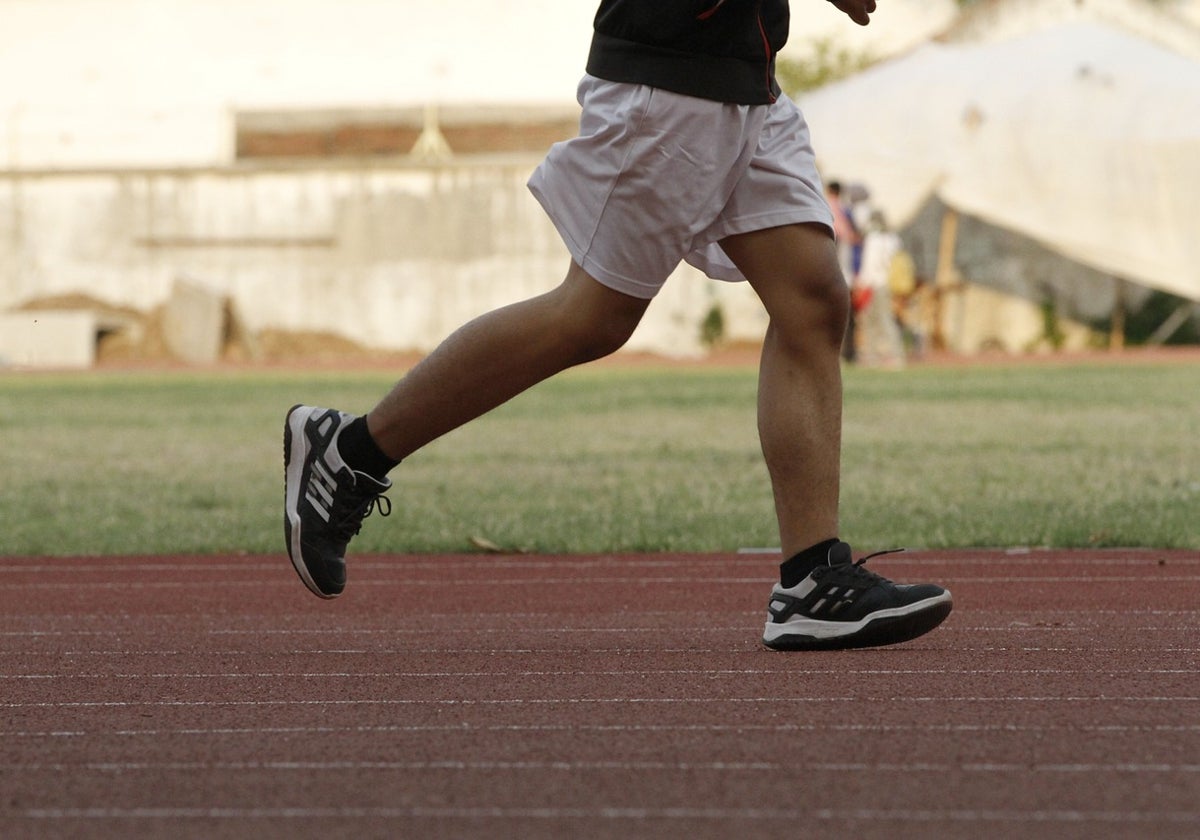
360,451
797,568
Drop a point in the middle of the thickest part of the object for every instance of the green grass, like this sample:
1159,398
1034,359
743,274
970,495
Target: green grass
608,458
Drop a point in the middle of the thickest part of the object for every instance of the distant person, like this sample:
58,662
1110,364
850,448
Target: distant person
880,341
687,151
845,230
848,242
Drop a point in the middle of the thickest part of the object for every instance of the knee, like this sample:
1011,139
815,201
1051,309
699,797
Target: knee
593,321
832,294
817,309
598,334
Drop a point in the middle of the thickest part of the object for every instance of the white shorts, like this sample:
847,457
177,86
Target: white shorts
655,177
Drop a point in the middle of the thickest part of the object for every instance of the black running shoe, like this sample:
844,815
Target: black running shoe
324,501
843,605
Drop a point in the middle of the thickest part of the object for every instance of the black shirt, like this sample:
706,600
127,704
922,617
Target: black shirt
714,49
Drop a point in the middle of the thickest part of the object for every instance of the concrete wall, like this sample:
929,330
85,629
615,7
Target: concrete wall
390,254
393,255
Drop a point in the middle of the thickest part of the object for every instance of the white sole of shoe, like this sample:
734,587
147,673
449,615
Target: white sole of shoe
295,444
885,627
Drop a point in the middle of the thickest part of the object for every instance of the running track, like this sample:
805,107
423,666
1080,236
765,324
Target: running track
600,696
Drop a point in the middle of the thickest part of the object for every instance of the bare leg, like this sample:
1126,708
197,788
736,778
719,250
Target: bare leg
498,355
795,272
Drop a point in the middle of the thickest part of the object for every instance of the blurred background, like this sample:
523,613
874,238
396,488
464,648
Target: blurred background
264,181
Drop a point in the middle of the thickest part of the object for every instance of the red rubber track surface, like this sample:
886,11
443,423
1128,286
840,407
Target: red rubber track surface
595,696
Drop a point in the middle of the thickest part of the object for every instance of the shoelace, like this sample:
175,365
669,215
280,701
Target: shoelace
879,554
350,524
856,569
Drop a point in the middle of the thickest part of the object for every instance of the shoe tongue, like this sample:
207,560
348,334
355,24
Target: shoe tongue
840,554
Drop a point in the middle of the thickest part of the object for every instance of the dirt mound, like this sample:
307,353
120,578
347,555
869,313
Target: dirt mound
132,336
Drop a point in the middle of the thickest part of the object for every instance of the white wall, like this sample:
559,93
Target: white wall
391,255
129,88
120,115
154,82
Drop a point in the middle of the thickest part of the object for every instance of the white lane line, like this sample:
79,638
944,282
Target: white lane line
587,701
374,631
388,631
563,561
468,728
1027,620
1031,619
793,815
633,672
653,766
382,652
378,631
529,651
1028,613
492,583
1141,558
747,631
455,701
252,614
407,583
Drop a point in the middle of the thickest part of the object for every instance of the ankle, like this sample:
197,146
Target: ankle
360,451
798,567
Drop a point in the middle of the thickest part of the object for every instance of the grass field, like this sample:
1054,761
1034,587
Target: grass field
614,458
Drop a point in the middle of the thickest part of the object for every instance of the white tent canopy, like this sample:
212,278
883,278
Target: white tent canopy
1079,137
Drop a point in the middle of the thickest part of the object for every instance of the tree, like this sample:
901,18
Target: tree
828,63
